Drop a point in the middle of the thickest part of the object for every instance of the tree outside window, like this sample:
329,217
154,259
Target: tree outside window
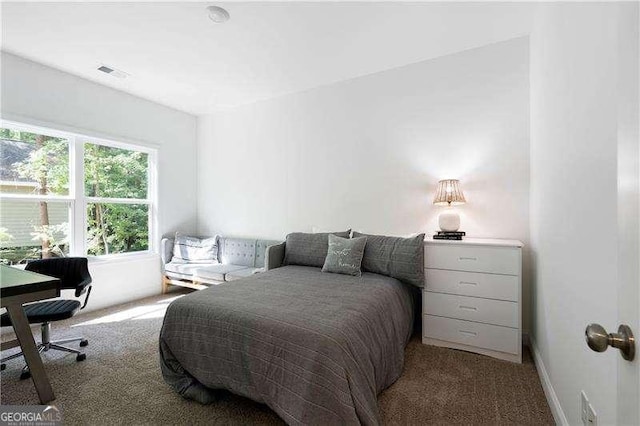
115,173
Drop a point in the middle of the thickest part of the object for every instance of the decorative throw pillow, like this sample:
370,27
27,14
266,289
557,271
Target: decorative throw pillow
400,258
344,255
308,249
195,250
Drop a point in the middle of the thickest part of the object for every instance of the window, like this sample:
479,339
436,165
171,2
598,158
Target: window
116,188
66,194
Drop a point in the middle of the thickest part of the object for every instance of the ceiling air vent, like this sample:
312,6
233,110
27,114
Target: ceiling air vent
112,71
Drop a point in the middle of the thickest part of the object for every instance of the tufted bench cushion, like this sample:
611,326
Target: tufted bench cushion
183,268
216,272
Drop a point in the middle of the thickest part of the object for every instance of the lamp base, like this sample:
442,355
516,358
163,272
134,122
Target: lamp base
449,221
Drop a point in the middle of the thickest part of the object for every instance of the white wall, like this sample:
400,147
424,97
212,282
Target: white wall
36,94
574,188
629,202
367,153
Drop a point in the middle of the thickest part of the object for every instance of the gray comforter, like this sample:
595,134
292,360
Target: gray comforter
315,347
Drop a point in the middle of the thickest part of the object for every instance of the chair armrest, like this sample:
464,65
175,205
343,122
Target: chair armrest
166,250
274,256
82,286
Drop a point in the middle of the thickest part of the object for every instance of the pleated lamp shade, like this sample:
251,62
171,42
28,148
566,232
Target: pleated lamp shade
449,193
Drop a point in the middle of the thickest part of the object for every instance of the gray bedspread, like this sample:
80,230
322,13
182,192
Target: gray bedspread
315,347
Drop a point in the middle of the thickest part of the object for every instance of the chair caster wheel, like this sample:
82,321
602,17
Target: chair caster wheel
3,367
84,343
81,357
25,375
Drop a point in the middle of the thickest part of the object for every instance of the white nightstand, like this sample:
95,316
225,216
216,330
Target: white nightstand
472,296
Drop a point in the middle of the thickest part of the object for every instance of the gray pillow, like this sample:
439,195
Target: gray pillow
400,258
195,250
308,249
344,255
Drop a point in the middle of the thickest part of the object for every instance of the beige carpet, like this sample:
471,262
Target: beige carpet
120,382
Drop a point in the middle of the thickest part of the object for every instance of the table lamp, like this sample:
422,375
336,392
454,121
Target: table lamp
449,194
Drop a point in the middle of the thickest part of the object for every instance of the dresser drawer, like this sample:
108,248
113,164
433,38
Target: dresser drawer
485,336
497,312
502,287
497,260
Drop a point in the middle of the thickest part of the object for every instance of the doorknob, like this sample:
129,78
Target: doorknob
598,340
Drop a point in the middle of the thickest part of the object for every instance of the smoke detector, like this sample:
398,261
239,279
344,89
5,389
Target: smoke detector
218,14
112,71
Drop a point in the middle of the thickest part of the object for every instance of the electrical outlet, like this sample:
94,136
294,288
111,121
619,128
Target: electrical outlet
584,408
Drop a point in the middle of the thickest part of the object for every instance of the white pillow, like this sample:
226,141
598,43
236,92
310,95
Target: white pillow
195,250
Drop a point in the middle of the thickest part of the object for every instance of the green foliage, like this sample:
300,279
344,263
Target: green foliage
5,237
15,135
114,172
117,228
48,165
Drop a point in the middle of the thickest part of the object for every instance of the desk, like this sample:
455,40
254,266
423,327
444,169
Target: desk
18,287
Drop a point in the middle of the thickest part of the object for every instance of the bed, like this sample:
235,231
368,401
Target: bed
315,347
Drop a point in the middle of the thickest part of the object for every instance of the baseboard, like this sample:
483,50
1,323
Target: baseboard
550,393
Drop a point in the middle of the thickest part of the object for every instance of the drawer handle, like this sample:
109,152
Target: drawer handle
467,283
467,258
469,308
470,333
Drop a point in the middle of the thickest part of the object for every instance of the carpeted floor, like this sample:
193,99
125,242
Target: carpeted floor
120,382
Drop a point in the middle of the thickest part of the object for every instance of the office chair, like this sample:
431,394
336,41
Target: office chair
73,273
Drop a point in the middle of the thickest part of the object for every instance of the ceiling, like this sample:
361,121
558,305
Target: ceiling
177,57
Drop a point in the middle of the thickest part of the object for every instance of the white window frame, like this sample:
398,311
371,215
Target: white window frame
77,199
